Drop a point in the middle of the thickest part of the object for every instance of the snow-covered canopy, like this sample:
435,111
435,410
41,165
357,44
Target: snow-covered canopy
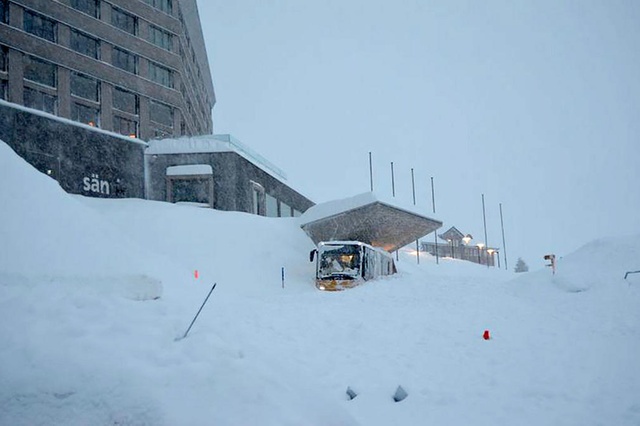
367,218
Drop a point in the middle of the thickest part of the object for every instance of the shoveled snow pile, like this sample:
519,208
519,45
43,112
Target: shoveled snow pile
94,294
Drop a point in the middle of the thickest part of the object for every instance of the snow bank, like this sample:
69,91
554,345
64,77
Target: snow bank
47,231
80,347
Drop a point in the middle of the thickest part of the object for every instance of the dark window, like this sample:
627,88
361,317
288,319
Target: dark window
40,100
190,190
161,134
160,75
164,5
124,60
125,21
85,44
161,113
85,114
39,26
125,101
125,127
40,71
85,87
3,89
4,54
4,11
160,38
90,7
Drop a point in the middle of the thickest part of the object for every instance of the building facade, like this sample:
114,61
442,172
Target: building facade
456,245
138,68
222,173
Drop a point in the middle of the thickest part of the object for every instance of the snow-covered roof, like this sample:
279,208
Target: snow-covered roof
190,170
213,143
71,122
367,218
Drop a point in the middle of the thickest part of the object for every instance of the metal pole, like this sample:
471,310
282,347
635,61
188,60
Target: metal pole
433,196
413,187
484,219
504,244
194,318
393,182
418,251
370,171
435,234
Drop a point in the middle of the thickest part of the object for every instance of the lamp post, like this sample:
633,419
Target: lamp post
465,251
480,245
490,251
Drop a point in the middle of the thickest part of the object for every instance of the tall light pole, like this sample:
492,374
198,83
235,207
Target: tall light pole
370,171
435,234
484,220
504,244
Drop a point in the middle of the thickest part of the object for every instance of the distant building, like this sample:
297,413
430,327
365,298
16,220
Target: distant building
456,245
137,68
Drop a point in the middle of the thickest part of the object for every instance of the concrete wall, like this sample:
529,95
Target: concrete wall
232,175
83,160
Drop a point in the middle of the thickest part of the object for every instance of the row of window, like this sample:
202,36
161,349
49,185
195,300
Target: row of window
80,42
264,204
88,89
92,7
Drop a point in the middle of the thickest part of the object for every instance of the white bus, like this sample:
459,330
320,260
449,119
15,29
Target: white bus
346,264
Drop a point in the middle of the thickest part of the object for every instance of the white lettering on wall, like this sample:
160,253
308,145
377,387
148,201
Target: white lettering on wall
94,184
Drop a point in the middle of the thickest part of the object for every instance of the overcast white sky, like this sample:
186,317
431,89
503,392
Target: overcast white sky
536,104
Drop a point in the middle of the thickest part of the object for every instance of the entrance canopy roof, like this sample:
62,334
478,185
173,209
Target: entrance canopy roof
368,219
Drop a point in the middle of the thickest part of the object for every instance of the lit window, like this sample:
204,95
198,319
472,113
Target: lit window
124,60
40,71
85,44
160,75
85,114
125,101
40,100
161,113
90,7
85,87
125,21
125,126
39,26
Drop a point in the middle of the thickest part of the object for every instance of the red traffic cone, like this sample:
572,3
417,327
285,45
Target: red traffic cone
486,335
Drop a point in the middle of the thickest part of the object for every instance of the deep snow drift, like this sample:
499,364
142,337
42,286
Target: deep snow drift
93,294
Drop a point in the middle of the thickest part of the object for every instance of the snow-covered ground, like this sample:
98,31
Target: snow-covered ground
94,294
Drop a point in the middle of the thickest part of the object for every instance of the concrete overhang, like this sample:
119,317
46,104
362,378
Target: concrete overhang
367,219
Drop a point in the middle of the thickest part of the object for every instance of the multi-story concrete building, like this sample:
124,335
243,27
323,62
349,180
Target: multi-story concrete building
85,85
135,67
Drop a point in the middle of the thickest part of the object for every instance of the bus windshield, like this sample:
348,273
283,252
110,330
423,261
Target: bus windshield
340,261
